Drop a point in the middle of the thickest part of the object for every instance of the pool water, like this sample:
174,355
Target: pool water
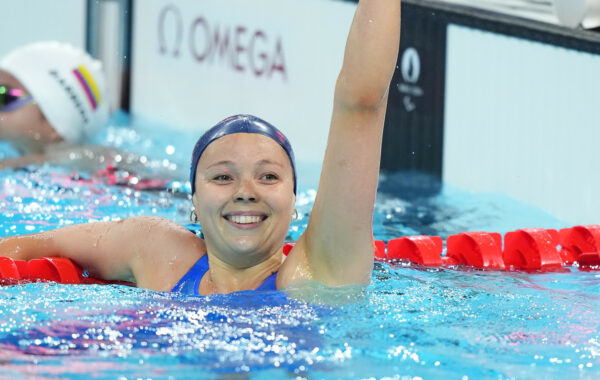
410,322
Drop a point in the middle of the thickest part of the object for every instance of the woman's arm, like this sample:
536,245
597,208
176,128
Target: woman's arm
338,243
139,249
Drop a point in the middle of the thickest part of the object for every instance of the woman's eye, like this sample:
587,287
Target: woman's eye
269,177
222,178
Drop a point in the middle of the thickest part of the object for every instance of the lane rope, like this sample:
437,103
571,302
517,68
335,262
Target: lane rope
529,249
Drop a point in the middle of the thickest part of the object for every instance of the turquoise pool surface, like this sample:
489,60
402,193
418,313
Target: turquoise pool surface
410,322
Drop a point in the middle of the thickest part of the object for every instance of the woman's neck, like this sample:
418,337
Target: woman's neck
224,278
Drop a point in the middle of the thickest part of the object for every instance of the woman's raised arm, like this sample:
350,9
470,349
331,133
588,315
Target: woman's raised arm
338,242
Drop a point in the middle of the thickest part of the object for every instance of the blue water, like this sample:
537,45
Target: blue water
410,322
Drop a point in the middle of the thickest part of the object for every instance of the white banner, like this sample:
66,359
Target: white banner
197,62
521,118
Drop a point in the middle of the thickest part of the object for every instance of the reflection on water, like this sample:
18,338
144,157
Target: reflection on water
408,321
38,199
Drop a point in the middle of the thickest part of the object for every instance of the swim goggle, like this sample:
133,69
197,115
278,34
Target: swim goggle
13,98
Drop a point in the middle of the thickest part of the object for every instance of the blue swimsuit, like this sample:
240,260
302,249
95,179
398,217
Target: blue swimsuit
190,283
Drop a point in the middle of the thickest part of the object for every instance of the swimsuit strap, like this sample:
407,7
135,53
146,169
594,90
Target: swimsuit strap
190,282
270,283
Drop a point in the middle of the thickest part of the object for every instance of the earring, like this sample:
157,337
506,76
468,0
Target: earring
193,216
295,215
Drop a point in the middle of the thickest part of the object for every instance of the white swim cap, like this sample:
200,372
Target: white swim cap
66,83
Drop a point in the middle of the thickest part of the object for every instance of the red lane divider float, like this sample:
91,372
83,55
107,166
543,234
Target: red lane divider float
424,250
531,249
379,249
9,269
581,244
287,247
55,269
477,249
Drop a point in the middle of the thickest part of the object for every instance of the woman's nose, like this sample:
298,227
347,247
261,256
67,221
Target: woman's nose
246,192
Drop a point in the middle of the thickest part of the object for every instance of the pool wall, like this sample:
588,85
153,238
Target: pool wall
495,103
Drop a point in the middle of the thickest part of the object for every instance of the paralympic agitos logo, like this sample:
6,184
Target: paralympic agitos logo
238,47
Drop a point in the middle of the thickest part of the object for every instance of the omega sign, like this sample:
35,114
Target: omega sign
237,47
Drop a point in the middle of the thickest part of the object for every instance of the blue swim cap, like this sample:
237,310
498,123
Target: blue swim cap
239,124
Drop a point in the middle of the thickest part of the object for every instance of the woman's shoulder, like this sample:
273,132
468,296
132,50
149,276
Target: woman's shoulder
161,232
167,249
153,221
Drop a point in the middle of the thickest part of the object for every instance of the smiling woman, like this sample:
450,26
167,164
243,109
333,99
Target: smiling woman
244,184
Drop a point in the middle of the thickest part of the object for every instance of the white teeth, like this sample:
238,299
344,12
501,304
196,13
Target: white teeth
244,219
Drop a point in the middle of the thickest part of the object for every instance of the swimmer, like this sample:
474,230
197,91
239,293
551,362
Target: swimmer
244,184
53,99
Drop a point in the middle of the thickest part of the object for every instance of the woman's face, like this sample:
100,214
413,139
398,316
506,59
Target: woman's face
244,198
25,122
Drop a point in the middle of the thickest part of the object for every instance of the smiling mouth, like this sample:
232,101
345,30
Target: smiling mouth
245,219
